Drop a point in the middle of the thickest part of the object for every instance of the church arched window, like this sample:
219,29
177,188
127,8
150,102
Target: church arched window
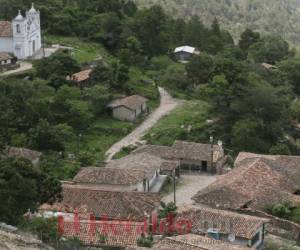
18,28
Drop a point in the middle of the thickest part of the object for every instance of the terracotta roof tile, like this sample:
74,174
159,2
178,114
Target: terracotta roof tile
130,102
225,222
164,152
81,76
6,29
197,151
169,165
114,204
141,161
183,150
5,56
113,176
114,233
255,182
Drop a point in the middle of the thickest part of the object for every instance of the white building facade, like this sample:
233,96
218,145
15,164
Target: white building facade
22,36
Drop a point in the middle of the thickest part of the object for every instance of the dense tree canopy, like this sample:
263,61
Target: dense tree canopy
22,188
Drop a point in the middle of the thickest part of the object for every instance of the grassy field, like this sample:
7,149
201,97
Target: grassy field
84,51
187,122
100,136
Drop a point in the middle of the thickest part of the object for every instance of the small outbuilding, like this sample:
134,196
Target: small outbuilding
81,78
7,61
185,53
128,108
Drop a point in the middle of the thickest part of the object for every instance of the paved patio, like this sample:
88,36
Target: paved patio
189,185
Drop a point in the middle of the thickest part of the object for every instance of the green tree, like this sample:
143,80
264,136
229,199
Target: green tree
98,97
248,38
269,50
200,69
289,71
47,137
61,63
23,187
151,29
102,74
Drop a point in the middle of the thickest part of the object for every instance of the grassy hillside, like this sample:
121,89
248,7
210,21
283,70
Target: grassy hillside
277,16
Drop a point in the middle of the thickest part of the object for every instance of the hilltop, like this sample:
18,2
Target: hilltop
275,17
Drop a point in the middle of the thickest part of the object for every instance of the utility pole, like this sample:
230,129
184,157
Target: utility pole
211,139
174,187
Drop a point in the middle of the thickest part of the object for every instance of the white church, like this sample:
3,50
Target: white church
22,36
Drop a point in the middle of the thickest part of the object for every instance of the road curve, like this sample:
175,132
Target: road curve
167,104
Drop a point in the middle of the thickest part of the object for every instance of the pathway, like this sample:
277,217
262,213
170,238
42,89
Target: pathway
24,66
167,104
189,186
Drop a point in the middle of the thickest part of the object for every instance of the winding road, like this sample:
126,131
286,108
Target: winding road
167,104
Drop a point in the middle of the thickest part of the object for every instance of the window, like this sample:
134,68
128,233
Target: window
18,28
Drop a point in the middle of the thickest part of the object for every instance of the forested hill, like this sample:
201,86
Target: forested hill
275,16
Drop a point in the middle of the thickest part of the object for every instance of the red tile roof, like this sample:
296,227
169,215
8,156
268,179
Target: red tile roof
169,165
81,76
183,150
5,56
111,176
114,204
6,29
256,182
225,222
146,162
104,233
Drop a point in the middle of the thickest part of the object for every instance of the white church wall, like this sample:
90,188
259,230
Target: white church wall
26,40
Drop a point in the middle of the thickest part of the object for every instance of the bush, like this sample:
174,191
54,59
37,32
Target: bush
145,241
86,159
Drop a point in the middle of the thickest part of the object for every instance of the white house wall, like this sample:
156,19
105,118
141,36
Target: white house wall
6,44
123,114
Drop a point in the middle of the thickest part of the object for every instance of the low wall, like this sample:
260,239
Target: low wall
277,226
7,67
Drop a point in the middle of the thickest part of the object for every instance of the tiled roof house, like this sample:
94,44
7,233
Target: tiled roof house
115,205
6,29
245,228
190,155
104,233
256,182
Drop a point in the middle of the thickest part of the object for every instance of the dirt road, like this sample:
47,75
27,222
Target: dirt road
167,104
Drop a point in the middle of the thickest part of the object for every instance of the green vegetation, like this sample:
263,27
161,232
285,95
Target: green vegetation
125,151
285,211
229,94
188,122
82,50
45,229
167,210
280,17
145,241
23,187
